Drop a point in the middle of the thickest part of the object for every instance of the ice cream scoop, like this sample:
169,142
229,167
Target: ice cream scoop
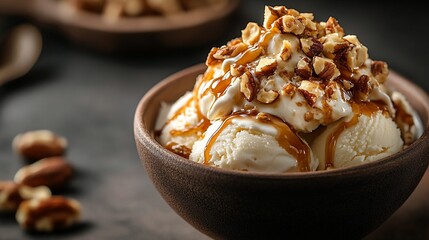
258,143
181,125
367,135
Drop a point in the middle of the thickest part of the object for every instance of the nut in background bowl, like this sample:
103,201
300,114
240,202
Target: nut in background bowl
349,202
128,35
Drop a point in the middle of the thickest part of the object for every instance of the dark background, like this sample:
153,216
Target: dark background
90,98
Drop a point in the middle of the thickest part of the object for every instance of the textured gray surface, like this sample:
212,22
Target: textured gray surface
90,98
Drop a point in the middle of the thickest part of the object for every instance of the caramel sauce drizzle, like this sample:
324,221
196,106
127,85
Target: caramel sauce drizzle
286,137
362,108
179,149
201,126
219,85
249,55
266,38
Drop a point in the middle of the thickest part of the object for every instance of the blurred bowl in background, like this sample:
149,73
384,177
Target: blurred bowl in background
128,34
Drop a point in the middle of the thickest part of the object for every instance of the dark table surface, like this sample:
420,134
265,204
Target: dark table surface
90,98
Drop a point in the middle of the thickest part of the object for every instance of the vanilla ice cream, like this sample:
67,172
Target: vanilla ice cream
366,136
289,79
181,125
259,143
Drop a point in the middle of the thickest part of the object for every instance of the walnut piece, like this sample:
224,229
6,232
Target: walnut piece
380,71
358,54
248,86
286,50
271,14
335,47
47,215
332,26
53,172
325,68
311,46
38,144
267,96
291,24
12,194
303,68
266,66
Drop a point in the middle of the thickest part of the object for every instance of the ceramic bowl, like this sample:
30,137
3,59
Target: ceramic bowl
345,203
128,35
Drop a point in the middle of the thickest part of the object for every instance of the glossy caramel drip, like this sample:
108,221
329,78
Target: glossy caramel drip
286,137
202,126
265,39
177,113
203,123
362,108
219,85
179,149
249,55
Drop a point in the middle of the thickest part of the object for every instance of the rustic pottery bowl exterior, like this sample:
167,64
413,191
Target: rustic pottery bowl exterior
347,203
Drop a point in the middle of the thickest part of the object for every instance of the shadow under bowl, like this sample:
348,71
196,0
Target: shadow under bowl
224,204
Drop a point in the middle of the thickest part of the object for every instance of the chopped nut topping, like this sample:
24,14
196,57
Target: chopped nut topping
332,26
289,89
248,86
357,55
293,12
308,16
379,70
251,33
308,116
263,117
361,87
236,70
325,68
223,53
311,46
266,66
309,97
286,51
334,47
311,29
347,84
271,14
303,68
211,60
267,96
291,24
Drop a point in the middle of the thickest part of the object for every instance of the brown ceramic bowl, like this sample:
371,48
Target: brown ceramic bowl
131,34
344,203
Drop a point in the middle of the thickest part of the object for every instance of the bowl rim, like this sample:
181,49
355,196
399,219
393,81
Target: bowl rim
44,11
144,136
